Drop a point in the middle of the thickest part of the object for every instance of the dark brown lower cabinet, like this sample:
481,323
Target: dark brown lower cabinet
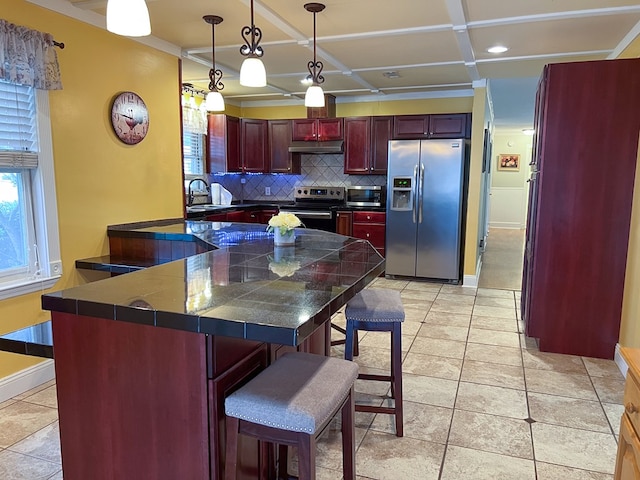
143,402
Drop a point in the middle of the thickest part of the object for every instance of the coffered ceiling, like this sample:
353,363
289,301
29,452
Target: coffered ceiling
433,47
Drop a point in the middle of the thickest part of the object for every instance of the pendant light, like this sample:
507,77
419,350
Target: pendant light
128,17
314,96
252,72
214,101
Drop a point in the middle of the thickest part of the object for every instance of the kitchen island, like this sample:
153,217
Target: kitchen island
144,360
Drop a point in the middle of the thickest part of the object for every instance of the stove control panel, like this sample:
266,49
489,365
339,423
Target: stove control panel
335,194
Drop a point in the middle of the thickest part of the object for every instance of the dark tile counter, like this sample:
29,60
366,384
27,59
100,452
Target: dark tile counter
145,360
243,288
34,340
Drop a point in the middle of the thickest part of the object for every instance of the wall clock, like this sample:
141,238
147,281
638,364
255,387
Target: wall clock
129,118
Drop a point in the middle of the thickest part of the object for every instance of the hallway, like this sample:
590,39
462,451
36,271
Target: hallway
502,259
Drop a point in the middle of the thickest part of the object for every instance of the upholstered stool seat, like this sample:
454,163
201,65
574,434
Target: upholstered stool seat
290,403
381,310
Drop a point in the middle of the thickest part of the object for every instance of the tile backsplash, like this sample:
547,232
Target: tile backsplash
318,169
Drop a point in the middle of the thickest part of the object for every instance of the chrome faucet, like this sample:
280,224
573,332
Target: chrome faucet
190,195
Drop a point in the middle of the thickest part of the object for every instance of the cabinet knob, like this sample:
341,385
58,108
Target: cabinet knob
368,217
368,235
630,408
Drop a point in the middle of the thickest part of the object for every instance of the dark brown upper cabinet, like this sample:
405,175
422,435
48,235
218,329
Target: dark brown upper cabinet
255,146
366,145
282,161
317,129
456,125
223,143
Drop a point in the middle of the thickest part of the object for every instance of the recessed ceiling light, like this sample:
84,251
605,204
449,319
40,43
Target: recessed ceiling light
391,74
307,80
497,49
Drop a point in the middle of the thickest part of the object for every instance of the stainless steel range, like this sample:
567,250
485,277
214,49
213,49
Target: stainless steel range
316,206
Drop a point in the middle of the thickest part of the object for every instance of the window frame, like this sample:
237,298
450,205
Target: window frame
45,211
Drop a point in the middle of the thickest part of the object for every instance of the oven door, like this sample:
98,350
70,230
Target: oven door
317,219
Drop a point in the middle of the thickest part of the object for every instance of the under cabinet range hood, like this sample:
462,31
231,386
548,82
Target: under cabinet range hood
317,147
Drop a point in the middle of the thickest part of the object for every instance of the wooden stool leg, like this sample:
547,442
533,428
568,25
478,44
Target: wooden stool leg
348,438
283,462
348,343
396,376
231,460
356,348
306,457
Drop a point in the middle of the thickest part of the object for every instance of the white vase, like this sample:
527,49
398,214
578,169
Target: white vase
288,238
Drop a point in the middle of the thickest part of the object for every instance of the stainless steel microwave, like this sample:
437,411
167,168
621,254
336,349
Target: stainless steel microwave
365,196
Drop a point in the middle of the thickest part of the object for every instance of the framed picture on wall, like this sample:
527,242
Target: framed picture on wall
509,162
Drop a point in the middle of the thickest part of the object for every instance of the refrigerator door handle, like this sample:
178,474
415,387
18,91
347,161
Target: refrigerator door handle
421,197
414,190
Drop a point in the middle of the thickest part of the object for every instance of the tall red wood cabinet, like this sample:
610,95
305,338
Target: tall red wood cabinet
585,151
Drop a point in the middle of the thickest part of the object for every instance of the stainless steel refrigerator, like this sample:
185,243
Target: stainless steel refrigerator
425,206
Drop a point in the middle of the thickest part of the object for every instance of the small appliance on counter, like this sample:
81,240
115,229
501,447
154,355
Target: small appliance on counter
365,196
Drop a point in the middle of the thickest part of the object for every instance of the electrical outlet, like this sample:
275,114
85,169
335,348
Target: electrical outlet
267,191
56,268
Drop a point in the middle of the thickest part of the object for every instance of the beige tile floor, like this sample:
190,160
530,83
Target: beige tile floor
481,402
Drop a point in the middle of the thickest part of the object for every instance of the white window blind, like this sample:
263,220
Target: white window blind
193,152
18,128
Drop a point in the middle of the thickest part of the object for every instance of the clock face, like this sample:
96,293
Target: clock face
129,118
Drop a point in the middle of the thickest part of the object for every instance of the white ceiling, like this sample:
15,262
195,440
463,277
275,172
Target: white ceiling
438,47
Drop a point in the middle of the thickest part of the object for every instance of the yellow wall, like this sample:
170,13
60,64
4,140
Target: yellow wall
397,107
630,322
475,181
99,180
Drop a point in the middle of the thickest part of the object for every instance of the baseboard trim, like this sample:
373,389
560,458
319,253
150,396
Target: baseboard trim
620,361
26,379
509,225
472,280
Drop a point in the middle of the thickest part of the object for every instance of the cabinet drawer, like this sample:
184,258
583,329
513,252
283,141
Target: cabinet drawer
373,233
369,217
632,400
627,459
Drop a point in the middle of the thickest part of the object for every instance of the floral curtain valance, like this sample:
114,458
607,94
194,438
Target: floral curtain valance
28,57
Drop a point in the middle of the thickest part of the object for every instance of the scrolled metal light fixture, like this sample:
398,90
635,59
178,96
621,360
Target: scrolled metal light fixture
214,101
252,71
314,96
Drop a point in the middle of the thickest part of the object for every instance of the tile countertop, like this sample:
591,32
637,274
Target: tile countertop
247,288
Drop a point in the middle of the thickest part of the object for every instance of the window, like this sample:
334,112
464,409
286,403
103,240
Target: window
193,151
29,244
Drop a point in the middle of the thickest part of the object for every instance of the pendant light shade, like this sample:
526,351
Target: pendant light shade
252,71
128,17
214,101
314,96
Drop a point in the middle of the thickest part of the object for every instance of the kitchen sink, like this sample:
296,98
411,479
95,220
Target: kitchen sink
204,207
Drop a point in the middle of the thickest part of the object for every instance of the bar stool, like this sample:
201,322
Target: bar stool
379,310
290,403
